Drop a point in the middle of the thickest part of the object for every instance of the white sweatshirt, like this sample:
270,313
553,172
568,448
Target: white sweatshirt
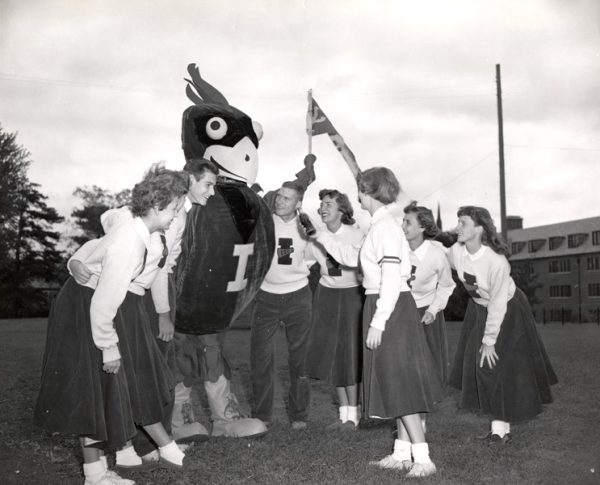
486,276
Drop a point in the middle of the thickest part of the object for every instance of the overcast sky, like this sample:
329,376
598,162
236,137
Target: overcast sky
95,91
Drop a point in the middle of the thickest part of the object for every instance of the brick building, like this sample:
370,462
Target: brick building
564,259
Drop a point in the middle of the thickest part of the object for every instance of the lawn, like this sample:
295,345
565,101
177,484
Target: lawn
562,446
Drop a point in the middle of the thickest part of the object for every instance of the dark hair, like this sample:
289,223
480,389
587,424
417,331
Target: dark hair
344,205
158,188
296,187
197,167
424,218
481,217
380,183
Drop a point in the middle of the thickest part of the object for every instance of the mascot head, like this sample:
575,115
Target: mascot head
215,130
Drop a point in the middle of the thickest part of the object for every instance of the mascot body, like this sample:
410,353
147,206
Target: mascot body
227,248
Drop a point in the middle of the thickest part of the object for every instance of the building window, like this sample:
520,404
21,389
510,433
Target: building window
596,238
576,240
559,266
555,242
595,315
535,245
517,247
560,291
594,290
593,263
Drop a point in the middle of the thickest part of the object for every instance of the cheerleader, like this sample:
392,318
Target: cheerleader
501,366
102,372
335,341
431,282
399,376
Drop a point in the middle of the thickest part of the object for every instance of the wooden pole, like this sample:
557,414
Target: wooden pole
309,115
503,228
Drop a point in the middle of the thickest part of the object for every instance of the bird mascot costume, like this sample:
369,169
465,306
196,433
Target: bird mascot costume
227,247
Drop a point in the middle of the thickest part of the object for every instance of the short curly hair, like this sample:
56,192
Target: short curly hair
424,218
380,183
343,202
158,188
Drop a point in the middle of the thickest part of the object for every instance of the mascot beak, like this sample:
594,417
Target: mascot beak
258,129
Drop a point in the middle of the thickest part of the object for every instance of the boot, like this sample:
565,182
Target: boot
225,412
183,427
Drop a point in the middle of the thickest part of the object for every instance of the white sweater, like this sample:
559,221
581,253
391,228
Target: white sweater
486,276
291,262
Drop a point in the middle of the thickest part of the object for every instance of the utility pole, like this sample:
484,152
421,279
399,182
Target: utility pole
503,228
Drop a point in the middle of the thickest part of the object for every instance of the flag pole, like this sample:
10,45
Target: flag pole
309,114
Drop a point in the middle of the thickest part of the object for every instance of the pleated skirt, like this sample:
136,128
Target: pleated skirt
335,341
435,335
76,396
400,376
519,384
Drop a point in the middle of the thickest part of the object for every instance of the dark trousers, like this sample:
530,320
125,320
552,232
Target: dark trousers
294,310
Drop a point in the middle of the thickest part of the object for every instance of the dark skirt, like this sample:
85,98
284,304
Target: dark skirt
148,376
515,389
435,334
399,377
76,396
335,341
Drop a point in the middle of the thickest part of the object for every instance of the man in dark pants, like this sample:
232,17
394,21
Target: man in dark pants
284,296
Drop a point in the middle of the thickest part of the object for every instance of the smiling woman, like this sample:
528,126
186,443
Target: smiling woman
102,372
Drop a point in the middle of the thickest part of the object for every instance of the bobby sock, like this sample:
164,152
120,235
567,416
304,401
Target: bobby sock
343,413
353,414
402,450
420,452
172,453
94,471
499,427
128,457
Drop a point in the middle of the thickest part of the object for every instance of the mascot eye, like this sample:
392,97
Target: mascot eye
216,128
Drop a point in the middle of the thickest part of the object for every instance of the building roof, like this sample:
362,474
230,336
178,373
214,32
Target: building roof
536,241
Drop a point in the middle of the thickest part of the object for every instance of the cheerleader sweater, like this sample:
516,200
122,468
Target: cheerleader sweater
291,262
486,277
333,273
431,282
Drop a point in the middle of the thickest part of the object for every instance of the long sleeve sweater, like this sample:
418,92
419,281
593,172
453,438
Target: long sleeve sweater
291,262
431,282
486,277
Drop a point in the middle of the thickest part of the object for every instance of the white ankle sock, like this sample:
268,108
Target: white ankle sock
343,413
507,428
104,461
353,414
172,453
420,452
499,427
128,457
402,450
94,471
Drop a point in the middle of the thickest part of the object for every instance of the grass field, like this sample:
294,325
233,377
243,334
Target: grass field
562,446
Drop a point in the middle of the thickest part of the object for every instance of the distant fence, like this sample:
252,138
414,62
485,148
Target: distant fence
566,315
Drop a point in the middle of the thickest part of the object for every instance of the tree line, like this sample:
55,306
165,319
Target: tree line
33,246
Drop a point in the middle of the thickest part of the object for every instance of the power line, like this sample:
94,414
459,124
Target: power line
554,148
461,174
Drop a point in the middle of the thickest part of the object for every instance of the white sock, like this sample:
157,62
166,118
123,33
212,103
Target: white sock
507,427
353,414
343,413
104,461
420,452
402,450
172,453
128,457
94,471
499,427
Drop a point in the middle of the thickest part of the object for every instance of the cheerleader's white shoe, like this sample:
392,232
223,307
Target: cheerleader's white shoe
421,470
392,463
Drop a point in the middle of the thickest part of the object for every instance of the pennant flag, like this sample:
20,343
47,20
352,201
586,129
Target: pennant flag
317,123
